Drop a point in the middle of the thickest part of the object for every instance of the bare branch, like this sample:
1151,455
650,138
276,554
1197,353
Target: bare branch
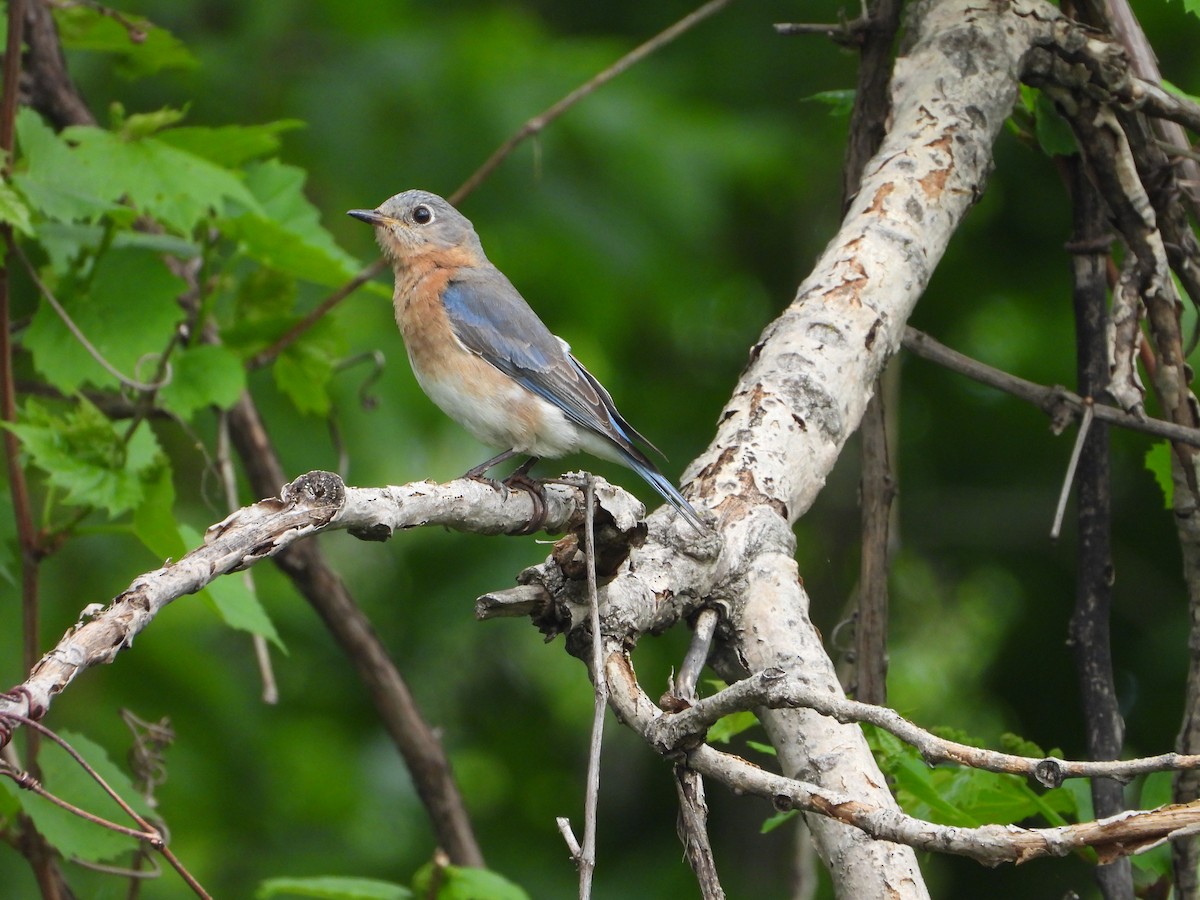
587,855
541,120
777,689
697,655
312,503
1057,402
693,831
1111,838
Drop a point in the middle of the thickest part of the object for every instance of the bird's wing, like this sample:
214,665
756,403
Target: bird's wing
492,319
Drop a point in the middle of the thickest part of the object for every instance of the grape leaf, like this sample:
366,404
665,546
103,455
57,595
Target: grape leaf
332,888
86,455
128,314
69,834
201,376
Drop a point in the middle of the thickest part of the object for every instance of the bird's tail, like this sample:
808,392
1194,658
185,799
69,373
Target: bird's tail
659,482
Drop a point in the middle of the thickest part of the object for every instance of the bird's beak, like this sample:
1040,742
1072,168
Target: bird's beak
370,216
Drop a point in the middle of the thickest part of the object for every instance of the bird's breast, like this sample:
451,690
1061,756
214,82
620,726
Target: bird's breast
488,403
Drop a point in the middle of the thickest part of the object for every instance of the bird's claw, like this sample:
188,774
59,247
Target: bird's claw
537,495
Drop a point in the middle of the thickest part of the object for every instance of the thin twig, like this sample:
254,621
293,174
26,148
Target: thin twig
869,117
267,356
587,855
1085,425
529,129
145,831
842,32
692,826
564,828
262,653
1051,400
697,654
1091,620
776,689
544,118
877,490
1121,835
27,535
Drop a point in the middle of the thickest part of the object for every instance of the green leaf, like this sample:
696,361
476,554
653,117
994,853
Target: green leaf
230,145
332,887
304,369
175,187
154,521
84,172
66,242
778,819
1157,790
727,727
56,181
69,834
1158,462
140,125
463,883
1174,88
233,601
766,749
202,376
1019,746
142,48
86,455
266,295
1192,6
128,327
966,797
286,233
239,607
1054,135
840,103
14,211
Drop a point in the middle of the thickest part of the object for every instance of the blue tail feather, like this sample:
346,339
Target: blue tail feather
659,482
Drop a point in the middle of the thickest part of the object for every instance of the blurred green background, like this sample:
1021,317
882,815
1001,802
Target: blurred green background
657,227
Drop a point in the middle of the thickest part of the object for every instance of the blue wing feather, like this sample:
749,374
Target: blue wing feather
493,320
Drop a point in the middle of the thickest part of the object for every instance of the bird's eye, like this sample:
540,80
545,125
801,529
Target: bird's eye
422,215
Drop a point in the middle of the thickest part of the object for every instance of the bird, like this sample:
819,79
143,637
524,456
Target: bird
482,355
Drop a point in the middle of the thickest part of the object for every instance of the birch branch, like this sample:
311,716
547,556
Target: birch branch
315,502
1111,838
777,689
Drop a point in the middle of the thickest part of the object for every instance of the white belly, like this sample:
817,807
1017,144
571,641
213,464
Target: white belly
517,420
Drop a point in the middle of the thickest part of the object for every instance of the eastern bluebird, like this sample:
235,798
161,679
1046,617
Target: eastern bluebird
485,358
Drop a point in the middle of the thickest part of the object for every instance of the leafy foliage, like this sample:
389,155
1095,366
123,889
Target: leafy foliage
85,454
658,227
331,888
72,835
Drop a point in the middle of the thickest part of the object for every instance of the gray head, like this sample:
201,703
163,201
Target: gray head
416,222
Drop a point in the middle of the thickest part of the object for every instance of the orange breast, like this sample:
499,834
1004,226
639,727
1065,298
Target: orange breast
470,390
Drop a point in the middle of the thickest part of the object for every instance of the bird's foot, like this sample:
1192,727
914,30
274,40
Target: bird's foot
537,495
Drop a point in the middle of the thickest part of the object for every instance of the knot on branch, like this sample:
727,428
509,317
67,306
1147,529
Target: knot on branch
613,545
10,718
1062,408
1049,772
323,492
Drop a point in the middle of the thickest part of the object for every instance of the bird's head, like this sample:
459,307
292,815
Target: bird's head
414,223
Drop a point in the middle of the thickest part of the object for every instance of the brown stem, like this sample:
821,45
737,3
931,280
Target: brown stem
1057,402
305,565
868,125
1089,628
